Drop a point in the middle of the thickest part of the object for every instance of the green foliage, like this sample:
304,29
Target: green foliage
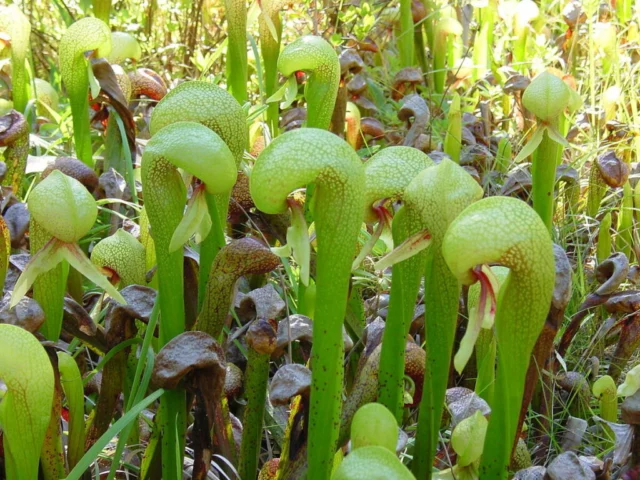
218,221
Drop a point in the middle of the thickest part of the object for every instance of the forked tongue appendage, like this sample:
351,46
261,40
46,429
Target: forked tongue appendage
196,221
407,249
382,229
480,317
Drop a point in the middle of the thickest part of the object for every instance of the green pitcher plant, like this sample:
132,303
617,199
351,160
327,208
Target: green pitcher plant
17,26
122,258
506,231
317,56
438,195
85,35
216,109
295,159
60,193
373,440
546,97
388,173
201,152
25,408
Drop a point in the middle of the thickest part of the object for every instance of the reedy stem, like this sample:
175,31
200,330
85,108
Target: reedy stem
543,171
270,40
102,9
236,64
71,381
405,39
261,342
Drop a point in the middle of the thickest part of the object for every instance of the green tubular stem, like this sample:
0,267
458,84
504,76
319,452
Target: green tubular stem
503,156
102,9
164,201
624,11
306,299
433,14
149,246
245,256
71,381
270,48
387,175
439,57
113,157
445,28
255,386
486,365
405,283
506,231
605,390
434,198
405,40
26,406
483,42
215,241
604,239
295,159
441,313
453,139
48,288
17,25
84,35
543,171
236,11
317,56
421,51
74,285
520,49
16,139
216,109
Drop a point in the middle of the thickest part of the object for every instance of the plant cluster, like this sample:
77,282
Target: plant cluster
396,241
